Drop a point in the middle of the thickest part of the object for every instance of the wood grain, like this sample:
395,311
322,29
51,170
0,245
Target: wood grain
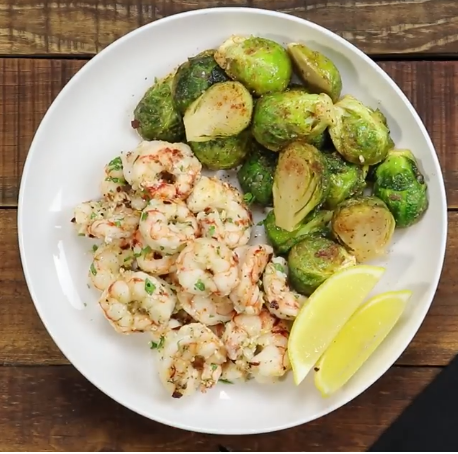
56,409
85,27
24,341
27,89
28,86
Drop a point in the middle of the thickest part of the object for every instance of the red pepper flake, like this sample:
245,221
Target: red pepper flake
135,124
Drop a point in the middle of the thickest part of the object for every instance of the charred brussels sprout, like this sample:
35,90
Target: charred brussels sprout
345,179
281,118
194,77
223,110
256,176
155,117
300,184
260,64
319,74
315,259
360,134
401,185
364,225
282,241
222,154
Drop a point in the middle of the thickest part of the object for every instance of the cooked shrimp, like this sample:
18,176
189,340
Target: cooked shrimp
221,212
154,262
209,310
258,345
247,297
106,220
137,302
206,267
166,170
280,299
115,188
109,261
168,225
190,360
158,333
233,372
272,361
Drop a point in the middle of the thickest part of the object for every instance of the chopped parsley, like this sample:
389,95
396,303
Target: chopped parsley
144,216
94,247
199,285
93,215
248,198
227,382
128,258
261,222
214,366
118,223
149,287
145,251
115,164
279,267
212,230
116,180
93,270
157,345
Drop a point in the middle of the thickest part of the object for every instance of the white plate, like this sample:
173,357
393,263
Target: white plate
89,123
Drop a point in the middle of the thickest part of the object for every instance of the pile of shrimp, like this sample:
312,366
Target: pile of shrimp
174,260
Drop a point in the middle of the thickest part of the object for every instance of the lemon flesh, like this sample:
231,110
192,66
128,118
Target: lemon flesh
325,313
358,339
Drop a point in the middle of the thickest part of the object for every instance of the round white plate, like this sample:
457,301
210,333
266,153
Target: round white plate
89,123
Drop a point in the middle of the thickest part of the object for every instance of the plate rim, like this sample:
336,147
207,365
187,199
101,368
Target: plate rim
400,348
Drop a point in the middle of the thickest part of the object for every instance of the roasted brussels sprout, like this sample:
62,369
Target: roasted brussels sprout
345,180
282,241
313,260
281,118
364,225
260,64
222,154
195,76
155,117
224,110
401,185
319,74
256,176
360,134
300,184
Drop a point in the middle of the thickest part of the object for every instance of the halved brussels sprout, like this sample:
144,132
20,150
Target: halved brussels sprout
195,76
256,176
364,225
318,72
224,110
401,185
300,184
155,117
315,259
314,224
360,134
262,65
281,118
345,179
223,154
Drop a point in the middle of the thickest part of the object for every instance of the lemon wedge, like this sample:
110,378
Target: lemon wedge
358,339
325,313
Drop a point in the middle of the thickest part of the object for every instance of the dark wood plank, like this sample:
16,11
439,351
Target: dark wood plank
28,86
27,89
24,341
86,27
61,411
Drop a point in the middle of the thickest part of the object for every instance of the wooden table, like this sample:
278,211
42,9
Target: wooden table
45,404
